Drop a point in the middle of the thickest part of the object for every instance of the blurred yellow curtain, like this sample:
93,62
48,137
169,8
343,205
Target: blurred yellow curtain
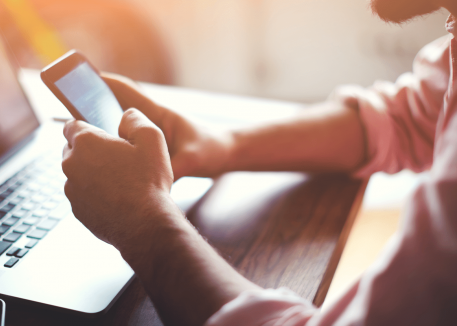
42,38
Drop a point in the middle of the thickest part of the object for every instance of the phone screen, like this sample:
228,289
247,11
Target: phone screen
92,97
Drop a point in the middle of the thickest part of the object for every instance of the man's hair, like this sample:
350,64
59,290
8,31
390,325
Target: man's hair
400,11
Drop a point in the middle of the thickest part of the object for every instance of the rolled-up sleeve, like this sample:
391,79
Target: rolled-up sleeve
399,119
267,308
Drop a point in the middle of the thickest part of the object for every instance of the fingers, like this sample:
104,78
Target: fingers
126,90
66,151
136,128
71,129
129,95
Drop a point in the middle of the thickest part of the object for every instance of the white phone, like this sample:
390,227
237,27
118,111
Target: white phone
79,86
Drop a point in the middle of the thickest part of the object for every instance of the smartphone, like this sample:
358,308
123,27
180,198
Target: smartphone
79,86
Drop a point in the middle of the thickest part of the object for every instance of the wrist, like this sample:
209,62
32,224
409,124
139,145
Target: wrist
156,223
228,157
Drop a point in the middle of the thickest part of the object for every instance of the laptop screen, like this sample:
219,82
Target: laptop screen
17,118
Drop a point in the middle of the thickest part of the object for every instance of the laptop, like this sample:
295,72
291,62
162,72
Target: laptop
47,257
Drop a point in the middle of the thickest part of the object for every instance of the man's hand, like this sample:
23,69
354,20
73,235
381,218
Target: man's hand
119,189
117,186
194,150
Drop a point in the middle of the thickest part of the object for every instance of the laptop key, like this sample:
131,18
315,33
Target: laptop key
10,263
21,228
10,221
12,251
21,253
31,243
4,246
47,224
50,205
33,187
28,206
58,198
20,213
8,207
2,214
61,211
7,192
14,187
31,220
12,237
40,212
41,179
37,234
48,191
24,193
38,198
3,229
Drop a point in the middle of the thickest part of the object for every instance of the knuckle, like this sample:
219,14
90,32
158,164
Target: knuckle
129,112
128,116
68,190
65,166
69,124
149,132
83,137
68,127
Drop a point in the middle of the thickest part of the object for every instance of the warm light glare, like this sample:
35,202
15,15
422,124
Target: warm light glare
41,36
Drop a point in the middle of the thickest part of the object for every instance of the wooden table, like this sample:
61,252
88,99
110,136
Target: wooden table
277,229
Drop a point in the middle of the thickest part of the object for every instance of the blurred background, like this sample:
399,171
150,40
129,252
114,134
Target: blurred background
296,50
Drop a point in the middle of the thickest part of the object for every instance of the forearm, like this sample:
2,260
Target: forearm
325,137
183,275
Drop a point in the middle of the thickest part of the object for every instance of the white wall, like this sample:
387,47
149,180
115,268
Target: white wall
288,49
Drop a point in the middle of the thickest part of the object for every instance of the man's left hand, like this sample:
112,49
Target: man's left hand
117,186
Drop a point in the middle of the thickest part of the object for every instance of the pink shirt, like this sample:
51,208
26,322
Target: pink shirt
410,124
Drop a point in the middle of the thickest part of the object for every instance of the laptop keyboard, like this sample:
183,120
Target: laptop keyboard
32,203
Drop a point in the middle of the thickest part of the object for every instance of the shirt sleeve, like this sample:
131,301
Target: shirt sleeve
399,119
413,282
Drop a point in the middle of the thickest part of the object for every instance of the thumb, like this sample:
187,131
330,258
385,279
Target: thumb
136,128
129,95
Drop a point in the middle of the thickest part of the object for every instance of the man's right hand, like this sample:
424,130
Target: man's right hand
194,150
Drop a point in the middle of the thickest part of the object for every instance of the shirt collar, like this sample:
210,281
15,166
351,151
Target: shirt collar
451,25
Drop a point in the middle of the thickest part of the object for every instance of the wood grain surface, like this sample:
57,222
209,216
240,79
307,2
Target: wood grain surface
277,229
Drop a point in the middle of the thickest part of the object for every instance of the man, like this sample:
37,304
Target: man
119,188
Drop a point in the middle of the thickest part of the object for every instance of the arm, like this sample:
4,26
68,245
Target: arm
387,127
185,278
325,137
119,188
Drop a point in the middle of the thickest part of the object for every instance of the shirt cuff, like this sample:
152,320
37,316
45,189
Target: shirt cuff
264,308
377,127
